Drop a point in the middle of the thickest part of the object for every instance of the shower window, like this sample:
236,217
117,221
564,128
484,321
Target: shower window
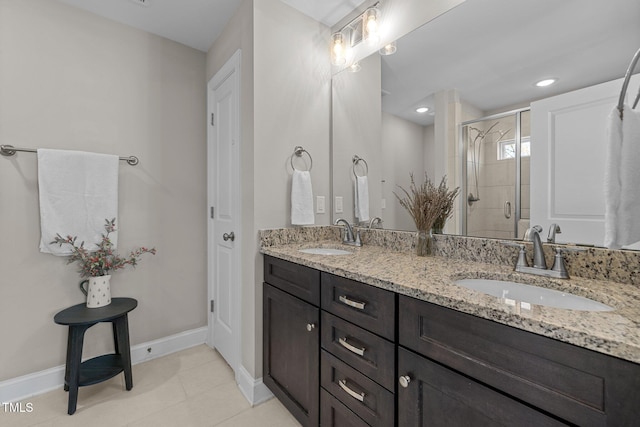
507,149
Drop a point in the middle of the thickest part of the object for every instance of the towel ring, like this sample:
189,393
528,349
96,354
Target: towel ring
625,85
298,151
356,159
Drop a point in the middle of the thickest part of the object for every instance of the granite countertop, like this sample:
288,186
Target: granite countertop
616,333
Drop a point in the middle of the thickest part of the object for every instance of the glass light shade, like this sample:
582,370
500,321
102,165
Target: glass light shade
389,49
355,67
371,25
338,49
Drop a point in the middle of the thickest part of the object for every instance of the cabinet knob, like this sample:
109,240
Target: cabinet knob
311,326
404,381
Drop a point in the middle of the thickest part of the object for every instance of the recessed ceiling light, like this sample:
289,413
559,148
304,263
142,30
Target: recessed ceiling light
546,82
422,109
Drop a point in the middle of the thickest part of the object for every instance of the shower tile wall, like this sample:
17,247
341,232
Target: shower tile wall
496,184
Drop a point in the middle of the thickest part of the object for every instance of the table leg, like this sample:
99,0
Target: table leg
121,326
74,358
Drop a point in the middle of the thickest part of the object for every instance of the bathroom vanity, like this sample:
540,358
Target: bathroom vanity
382,338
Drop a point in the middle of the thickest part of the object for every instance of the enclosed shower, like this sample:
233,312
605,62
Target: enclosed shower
495,191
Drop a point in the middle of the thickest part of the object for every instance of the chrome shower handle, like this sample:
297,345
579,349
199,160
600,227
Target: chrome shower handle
507,209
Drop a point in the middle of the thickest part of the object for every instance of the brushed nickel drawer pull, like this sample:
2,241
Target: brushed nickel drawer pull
354,394
351,348
355,304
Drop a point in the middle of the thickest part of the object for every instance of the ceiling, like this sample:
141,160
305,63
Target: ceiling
197,23
493,51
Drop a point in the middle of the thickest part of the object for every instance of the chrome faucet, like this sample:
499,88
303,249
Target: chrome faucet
553,230
349,238
558,270
533,234
374,221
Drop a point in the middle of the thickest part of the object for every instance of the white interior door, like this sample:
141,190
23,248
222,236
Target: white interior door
568,150
224,210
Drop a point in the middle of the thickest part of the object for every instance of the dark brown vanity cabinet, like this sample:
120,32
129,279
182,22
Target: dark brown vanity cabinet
341,353
357,362
458,369
291,322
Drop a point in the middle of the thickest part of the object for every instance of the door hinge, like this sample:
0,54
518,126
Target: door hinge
213,121
213,216
212,306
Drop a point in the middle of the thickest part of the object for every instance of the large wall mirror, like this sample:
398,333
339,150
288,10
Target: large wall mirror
475,69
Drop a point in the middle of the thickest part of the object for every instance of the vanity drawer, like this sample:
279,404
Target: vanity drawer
333,413
359,303
369,400
298,280
370,354
575,384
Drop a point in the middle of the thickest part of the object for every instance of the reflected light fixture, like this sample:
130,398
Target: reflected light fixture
338,49
422,109
355,67
389,49
546,82
371,25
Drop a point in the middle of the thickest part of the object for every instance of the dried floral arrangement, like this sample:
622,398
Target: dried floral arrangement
104,259
427,204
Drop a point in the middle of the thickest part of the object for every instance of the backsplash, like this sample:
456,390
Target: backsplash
594,263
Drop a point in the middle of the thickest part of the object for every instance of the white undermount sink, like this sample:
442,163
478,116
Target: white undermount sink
325,251
511,292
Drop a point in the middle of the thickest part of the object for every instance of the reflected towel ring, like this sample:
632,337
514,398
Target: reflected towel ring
356,159
297,151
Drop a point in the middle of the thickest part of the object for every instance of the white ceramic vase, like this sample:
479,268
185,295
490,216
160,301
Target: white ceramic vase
98,291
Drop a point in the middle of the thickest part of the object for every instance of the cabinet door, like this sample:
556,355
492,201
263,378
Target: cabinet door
291,353
438,396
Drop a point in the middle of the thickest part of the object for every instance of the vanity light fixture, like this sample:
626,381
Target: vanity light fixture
389,49
365,27
546,82
422,109
371,25
338,49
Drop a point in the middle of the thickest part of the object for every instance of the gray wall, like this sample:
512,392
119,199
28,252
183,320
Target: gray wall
72,80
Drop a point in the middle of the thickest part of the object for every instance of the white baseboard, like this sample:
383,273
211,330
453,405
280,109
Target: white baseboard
253,389
36,383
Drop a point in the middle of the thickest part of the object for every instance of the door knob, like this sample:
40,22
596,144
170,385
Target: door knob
228,236
404,381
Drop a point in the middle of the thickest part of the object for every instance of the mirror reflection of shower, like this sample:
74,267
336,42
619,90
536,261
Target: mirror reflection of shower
474,146
496,175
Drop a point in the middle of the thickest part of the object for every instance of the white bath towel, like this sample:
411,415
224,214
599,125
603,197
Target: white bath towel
362,198
622,180
78,191
301,199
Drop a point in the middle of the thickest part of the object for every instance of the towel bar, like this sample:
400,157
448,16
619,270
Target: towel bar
10,150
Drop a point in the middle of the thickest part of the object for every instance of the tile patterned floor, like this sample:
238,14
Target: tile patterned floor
191,388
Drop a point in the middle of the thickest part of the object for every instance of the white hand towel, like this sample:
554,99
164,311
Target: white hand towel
622,180
362,198
78,191
301,199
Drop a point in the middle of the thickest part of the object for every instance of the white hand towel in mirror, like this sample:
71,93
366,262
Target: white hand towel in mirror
622,180
362,198
78,191
301,199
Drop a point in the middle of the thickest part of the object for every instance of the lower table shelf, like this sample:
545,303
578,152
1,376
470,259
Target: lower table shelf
100,369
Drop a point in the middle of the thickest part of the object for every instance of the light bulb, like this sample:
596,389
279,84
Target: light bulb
389,49
338,54
370,26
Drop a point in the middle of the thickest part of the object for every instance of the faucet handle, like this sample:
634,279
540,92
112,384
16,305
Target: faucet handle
558,260
522,253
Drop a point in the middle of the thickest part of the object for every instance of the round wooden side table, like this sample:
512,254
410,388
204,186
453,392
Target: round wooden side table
79,318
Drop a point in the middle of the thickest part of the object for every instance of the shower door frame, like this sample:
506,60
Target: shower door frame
463,136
